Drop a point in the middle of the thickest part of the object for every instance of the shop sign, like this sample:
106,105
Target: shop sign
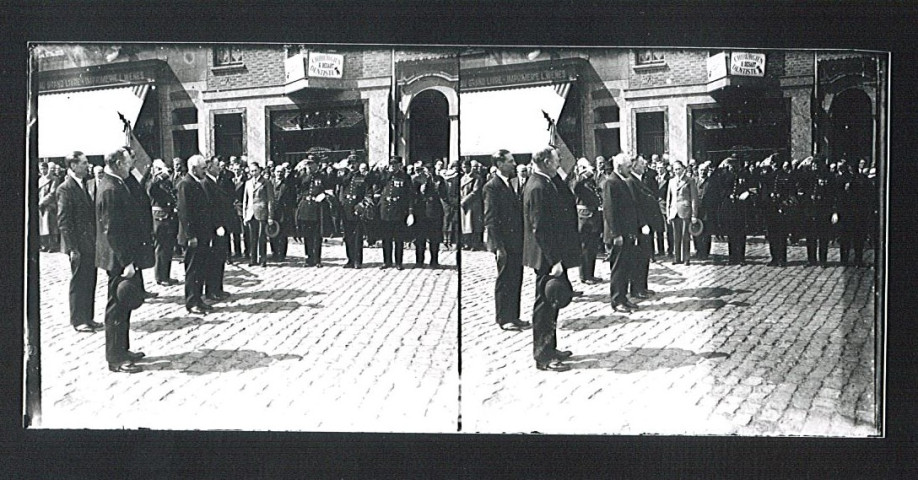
325,65
717,66
295,68
89,80
745,64
517,78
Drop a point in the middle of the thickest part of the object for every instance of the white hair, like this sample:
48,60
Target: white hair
621,159
196,160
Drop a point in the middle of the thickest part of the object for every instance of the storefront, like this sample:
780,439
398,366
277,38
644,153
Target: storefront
330,131
86,109
522,108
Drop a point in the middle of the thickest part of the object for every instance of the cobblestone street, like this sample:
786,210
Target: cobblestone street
293,348
748,350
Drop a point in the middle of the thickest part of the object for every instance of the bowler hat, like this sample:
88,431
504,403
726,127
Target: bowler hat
273,229
558,292
696,226
129,294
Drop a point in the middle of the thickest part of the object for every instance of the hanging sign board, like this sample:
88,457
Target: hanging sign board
717,66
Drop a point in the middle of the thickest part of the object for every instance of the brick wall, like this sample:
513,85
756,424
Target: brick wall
377,63
682,67
798,63
263,66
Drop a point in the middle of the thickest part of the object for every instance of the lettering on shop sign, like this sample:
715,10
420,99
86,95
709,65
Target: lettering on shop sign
78,81
515,78
747,64
326,65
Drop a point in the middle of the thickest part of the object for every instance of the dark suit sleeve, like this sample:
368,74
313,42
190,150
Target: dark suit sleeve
542,226
189,226
116,225
65,219
608,213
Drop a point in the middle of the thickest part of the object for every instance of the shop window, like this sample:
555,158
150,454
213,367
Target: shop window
229,134
650,57
184,116
606,114
651,133
227,56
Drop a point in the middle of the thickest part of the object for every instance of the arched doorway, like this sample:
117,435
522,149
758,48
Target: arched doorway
429,127
852,126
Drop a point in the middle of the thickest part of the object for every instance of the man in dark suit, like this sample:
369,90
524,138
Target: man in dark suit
284,205
195,232
396,203
143,213
118,245
503,218
77,220
706,205
651,220
621,228
547,250
165,226
222,213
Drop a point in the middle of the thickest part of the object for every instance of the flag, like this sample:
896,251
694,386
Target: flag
141,158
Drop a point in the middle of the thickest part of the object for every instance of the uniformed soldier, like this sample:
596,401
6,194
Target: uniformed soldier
311,192
854,205
354,189
778,201
818,205
430,191
165,221
589,220
733,209
396,204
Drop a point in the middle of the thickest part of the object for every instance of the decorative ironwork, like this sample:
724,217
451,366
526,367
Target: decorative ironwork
317,119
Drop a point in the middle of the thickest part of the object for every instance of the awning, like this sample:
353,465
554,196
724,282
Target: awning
87,120
518,119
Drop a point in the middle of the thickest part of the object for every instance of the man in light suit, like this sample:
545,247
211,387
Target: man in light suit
196,229
681,210
547,250
118,246
77,220
503,218
258,212
621,229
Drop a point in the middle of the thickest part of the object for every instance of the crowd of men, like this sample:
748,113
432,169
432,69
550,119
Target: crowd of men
215,211
633,212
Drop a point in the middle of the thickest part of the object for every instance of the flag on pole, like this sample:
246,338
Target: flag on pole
141,158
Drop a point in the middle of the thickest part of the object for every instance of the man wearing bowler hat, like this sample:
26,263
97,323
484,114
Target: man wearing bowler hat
395,206
118,245
547,250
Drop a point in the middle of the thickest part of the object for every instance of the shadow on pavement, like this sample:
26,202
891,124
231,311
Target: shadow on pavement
593,297
276,294
641,359
684,306
171,323
703,292
264,307
213,361
596,322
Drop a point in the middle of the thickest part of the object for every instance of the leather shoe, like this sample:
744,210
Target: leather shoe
196,309
553,366
357,266
133,356
150,294
511,327
649,292
641,295
348,265
84,328
206,307
631,305
563,354
522,324
622,309
399,267
384,266
124,367
212,297
577,293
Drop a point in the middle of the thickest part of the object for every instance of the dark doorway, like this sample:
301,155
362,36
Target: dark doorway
185,143
429,127
651,134
852,127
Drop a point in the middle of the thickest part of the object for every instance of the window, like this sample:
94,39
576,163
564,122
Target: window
228,134
651,133
649,57
606,114
184,116
227,56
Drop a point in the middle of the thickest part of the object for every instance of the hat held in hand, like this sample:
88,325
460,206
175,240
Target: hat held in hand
129,294
558,292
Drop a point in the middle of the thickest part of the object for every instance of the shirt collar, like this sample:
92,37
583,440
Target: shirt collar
505,179
75,179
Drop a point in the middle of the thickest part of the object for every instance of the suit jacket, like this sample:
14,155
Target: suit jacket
619,210
682,198
648,209
193,211
117,243
429,203
545,242
470,186
353,189
77,219
142,219
258,202
221,204
503,216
